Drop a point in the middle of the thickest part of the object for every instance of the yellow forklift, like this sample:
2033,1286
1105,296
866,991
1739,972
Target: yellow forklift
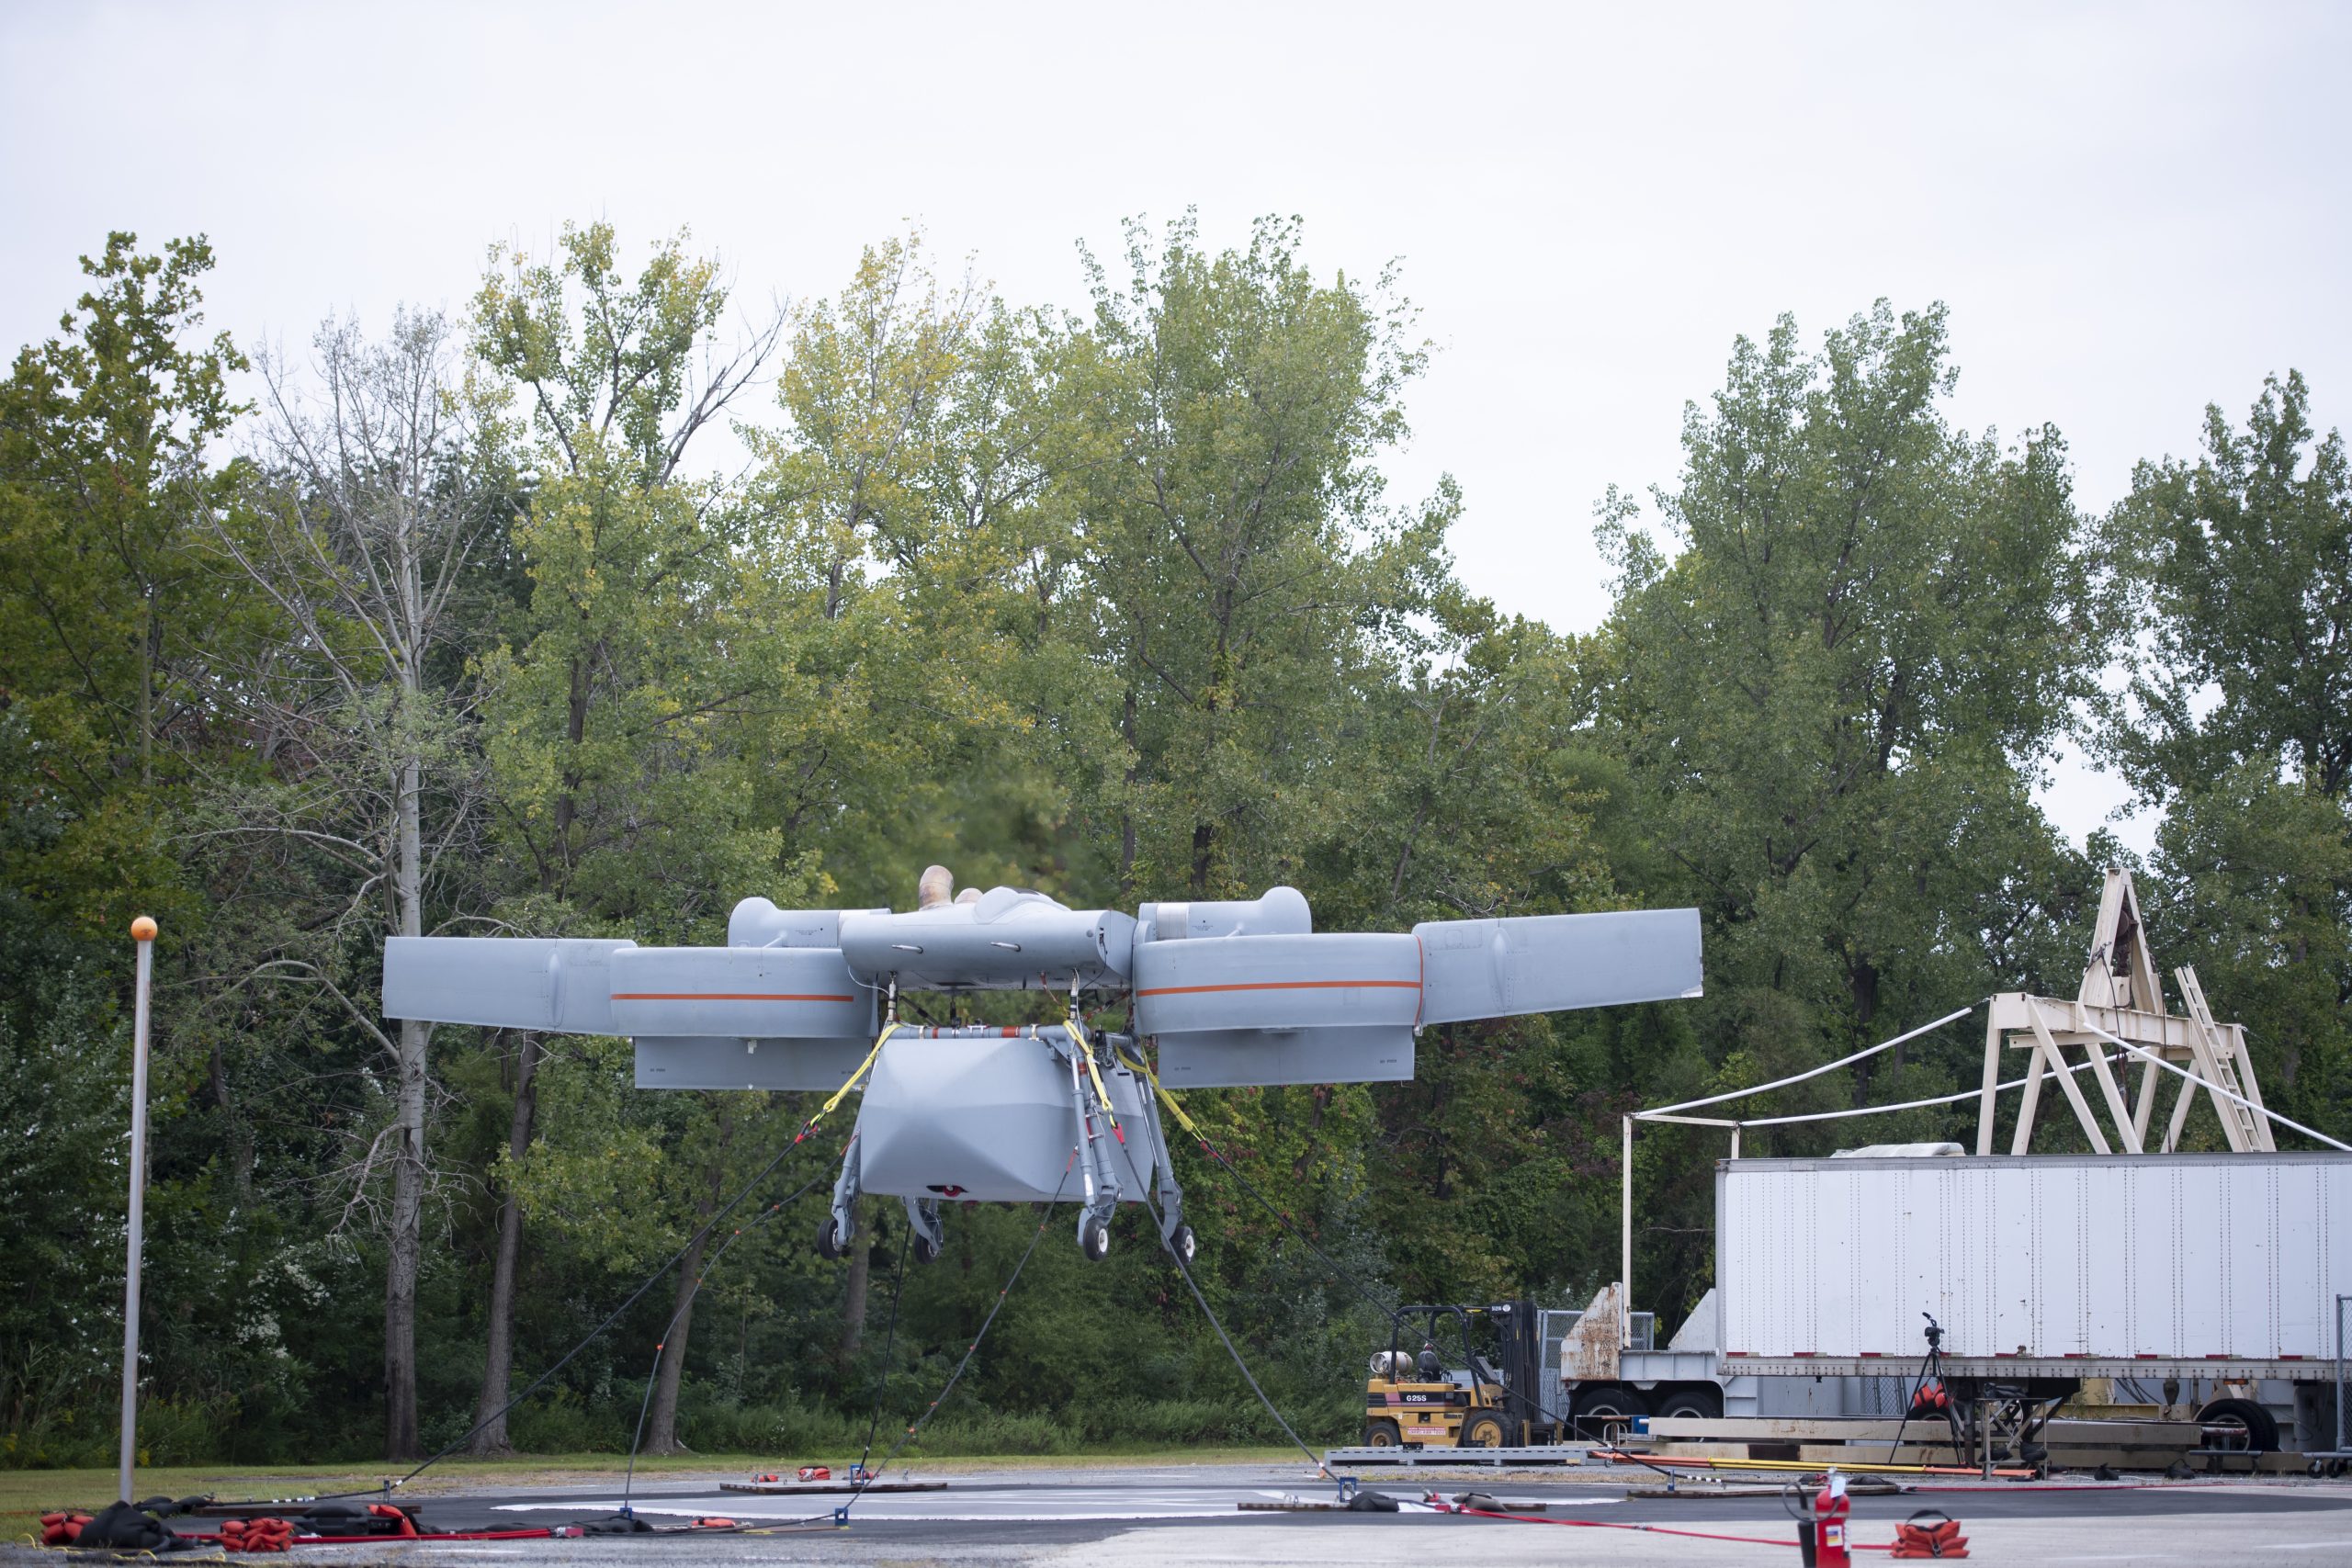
1432,1389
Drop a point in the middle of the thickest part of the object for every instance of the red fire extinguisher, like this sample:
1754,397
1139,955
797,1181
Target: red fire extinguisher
1821,1524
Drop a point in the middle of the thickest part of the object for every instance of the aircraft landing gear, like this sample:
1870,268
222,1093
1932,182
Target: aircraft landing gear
931,1238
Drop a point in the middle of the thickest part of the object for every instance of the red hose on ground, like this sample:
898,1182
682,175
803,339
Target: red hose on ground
1652,1530
540,1533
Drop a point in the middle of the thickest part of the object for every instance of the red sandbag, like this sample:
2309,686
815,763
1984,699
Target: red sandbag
61,1529
263,1534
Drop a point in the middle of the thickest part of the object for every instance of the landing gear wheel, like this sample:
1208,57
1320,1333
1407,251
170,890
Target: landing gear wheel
1094,1241
1383,1434
1182,1240
829,1238
926,1250
2248,1427
1481,1429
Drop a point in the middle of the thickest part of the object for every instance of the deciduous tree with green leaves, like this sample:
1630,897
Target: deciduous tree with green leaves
1833,686
615,706
364,520
2238,724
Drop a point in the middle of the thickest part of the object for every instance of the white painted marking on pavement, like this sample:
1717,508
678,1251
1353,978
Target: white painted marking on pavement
963,1505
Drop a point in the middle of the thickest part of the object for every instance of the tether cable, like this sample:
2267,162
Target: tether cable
1338,1273
841,1515
1184,1268
889,1340
712,1224
653,1374
1392,1313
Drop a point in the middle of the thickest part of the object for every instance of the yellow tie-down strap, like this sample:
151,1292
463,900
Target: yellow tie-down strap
851,1082
1078,1031
1166,1098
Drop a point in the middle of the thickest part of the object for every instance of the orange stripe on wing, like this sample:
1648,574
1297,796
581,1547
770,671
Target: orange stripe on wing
722,996
1281,986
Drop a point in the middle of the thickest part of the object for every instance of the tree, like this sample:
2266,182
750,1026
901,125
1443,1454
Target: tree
2238,722
106,484
360,529
892,520
614,703
1832,699
1235,566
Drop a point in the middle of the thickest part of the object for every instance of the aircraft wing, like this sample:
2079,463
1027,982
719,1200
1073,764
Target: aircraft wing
1344,1008
1235,993
1553,963
560,984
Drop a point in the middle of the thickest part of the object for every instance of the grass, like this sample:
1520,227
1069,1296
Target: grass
26,1494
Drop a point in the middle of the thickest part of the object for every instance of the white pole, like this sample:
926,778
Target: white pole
143,932
1625,1245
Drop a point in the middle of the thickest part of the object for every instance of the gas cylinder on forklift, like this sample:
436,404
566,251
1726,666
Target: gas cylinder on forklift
1433,1388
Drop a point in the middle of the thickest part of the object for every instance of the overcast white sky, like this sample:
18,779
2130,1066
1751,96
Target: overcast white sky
2133,210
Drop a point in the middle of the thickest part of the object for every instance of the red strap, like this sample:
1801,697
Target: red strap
386,1511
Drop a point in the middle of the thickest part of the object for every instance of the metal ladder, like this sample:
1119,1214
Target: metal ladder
2247,1131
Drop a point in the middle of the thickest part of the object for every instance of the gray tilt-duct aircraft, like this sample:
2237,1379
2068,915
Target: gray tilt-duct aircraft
1234,993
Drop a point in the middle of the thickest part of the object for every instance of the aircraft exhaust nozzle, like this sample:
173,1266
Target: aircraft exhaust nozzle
1282,912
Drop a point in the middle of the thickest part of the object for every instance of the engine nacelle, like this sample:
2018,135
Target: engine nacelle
1007,940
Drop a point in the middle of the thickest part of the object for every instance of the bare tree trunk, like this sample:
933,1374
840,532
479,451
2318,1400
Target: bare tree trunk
407,1249
671,1370
408,1158
498,1357
1127,802
861,1269
663,1438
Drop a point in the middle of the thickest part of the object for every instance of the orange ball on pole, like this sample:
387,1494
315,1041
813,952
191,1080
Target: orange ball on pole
142,930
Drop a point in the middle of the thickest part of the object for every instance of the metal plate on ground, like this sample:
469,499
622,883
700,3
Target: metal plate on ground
1549,1453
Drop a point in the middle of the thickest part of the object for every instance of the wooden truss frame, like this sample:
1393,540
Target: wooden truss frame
2122,996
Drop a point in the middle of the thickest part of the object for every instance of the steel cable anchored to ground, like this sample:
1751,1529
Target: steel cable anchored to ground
841,1515
700,1236
1160,1230
662,1342
1291,1226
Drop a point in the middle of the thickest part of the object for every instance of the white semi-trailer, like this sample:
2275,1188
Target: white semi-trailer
2040,1266
2217,1274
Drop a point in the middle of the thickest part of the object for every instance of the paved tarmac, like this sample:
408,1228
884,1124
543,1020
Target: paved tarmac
1165,1516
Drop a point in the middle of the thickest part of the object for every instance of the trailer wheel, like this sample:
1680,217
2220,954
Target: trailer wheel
1383,1434
1603,1411
2247,1426
1696,1403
